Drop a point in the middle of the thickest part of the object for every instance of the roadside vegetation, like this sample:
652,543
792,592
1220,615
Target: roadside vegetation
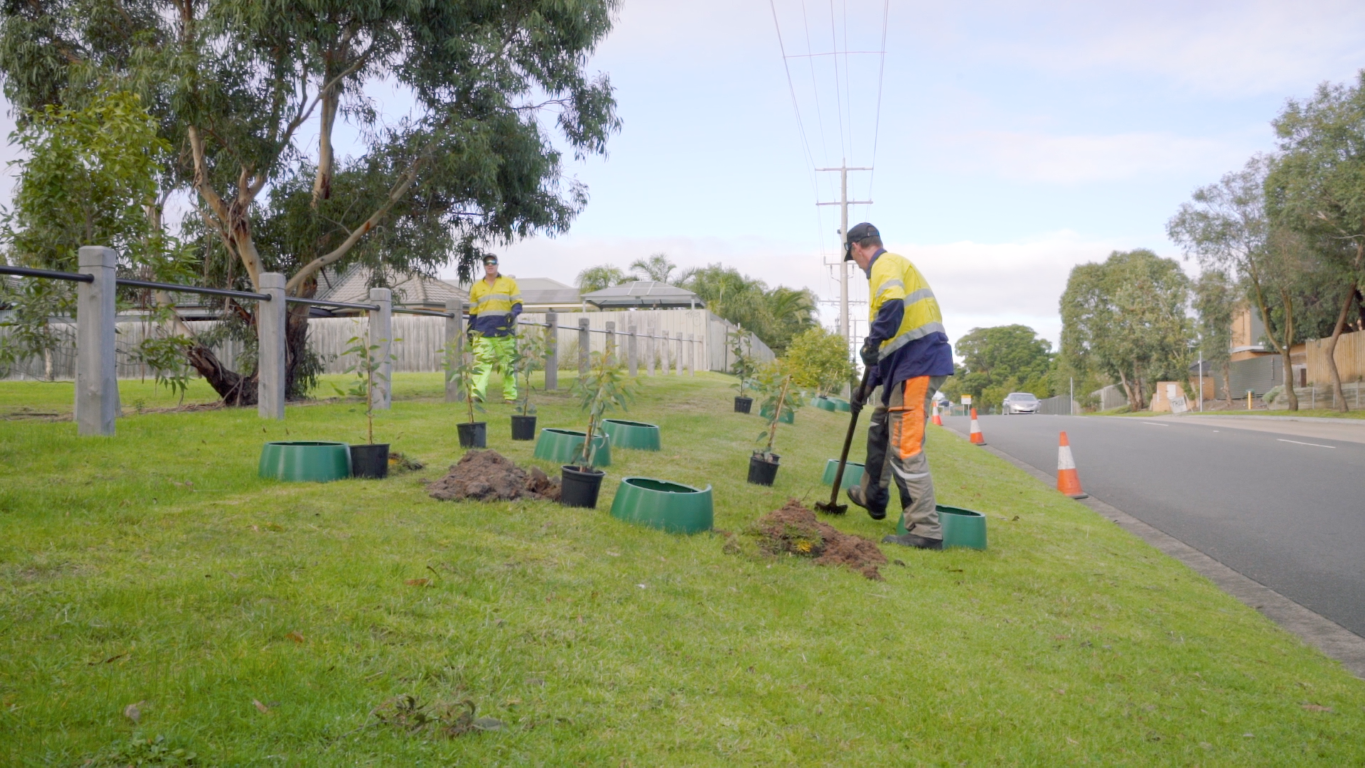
158,600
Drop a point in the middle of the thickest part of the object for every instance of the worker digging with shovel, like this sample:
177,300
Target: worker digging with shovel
907,355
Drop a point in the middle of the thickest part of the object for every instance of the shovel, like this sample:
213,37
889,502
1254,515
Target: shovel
834,507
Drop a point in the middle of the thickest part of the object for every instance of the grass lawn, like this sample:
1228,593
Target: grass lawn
259,623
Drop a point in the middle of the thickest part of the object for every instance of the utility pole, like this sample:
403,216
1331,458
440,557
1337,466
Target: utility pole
843,204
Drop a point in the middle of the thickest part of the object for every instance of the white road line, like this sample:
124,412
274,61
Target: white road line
1296,442
1156,423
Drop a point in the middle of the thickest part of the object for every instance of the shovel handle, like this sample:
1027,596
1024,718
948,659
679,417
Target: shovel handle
854,409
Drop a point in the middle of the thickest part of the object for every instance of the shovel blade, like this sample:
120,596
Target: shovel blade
831,509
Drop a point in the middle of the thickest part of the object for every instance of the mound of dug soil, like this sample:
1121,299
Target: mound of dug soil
795,529
490,476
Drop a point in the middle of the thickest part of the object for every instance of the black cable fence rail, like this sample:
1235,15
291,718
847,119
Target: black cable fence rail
96,358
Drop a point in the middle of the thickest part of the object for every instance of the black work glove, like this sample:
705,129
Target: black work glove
869,353
859,397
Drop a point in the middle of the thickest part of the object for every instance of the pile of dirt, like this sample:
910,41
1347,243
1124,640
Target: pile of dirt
795,529
490,476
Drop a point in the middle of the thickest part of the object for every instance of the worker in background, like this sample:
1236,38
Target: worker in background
496,301
908,352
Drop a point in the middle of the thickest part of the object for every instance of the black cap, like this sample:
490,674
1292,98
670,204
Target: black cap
856,233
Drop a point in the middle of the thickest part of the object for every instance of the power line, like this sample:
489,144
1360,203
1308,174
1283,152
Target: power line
815,85
848,89
801,127
881,73
838,100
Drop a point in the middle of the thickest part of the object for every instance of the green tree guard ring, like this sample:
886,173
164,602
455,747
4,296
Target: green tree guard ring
825,404
632,434
961,527
853,473
667,506
305,461
787,418
561,447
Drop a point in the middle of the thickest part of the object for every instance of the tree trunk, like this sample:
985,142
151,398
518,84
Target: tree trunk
1227,382
1332,349
1288,371
234,388
1128,390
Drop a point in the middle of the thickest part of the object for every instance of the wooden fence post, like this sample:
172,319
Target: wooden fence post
552,356
454,346
270,347
381,335
584,346
97,403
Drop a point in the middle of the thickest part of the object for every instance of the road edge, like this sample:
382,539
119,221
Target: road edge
1334,640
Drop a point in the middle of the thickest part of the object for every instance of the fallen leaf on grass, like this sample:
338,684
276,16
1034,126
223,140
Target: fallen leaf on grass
1071,740
295,636
263,708
418,582
1316,708
276,527
106,661
134,711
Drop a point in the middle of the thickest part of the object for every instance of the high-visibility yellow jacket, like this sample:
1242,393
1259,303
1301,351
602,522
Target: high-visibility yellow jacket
905,323
492,306
894,278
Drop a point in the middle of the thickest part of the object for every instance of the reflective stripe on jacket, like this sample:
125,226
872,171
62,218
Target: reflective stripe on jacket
492,304
894,278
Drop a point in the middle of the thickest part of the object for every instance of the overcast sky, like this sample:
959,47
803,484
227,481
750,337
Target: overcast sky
1012,141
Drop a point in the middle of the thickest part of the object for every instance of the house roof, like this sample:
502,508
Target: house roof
644,293
412,289
542,291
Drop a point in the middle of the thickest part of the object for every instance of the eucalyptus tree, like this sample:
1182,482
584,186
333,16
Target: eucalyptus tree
1225,227
1215,301
251,94
1317,187
1125,318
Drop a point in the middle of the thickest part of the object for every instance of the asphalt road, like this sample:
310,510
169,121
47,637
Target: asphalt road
1278,502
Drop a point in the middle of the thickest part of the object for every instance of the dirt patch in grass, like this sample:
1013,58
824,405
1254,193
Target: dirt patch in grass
490,476
794,529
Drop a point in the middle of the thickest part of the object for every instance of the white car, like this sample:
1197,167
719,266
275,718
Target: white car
1020,402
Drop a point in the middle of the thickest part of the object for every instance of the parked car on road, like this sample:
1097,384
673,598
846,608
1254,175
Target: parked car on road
1020,402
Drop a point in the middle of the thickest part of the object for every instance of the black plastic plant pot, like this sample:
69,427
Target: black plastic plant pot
578,488
761,471
743,404
523,427
370,461
473,435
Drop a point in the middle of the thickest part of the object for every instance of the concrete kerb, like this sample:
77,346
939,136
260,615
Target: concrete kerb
1316,630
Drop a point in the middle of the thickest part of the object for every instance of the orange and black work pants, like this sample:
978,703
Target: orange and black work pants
895,450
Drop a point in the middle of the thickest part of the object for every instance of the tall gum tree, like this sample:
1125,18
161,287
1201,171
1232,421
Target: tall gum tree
1225,227
495,88
1317,188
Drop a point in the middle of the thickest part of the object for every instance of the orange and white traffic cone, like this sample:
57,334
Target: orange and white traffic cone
976,437
1068,482
937,420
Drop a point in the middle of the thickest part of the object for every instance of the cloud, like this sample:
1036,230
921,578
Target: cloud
1226,48
1081,159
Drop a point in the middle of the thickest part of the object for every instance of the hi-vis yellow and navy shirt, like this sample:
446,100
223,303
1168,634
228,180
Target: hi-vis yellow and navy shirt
492,306
906,324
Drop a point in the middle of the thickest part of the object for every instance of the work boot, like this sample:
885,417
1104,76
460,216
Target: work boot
855,495
911,540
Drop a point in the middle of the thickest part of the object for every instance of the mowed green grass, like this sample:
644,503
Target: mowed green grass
154,568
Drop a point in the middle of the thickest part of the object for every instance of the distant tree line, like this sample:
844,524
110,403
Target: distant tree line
776,315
